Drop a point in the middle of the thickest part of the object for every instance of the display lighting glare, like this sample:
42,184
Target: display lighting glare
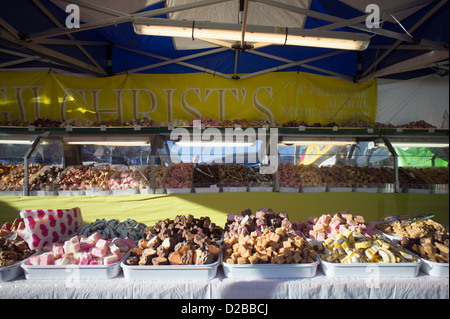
118,141
316,142
21,142
213,144
419,144
253,34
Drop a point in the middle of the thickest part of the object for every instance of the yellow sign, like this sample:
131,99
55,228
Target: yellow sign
280,96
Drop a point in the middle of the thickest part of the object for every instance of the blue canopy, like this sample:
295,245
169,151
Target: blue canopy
411,42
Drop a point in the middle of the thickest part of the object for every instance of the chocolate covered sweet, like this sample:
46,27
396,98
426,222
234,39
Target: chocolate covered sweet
183,241
180,175
426,238
206,175
233,175
247,222
46,179
12,247
15,179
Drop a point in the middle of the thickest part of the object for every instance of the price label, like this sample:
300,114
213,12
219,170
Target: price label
31,128
431,130
69,128
301,128
137,127
102,128
335,128
370,130
399,129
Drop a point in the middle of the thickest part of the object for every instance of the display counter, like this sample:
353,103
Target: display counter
317,287
149,209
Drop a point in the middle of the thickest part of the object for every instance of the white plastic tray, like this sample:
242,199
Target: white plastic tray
11,272
371,269
71,193
435,269
386,188
267,189
72,271
211,189
418,191
318,189
179,190
289,190
44,193
129,191
234,189
340,189
267,271
170,272
366,189
97,192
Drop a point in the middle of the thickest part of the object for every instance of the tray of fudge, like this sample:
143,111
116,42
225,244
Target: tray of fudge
185,248
422,236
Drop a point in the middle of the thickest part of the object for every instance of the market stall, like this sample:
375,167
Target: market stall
277,170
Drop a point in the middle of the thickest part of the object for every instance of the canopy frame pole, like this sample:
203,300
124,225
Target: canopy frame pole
362,18
117,20
70,36
290,63
398,42
176,61
36,49
330,18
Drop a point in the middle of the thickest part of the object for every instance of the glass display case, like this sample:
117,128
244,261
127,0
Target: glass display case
97,161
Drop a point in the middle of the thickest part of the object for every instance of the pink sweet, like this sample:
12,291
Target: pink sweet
101,243
67,260
74,240
129,242
70,247
98,252
110,259
46,259
96,261
114,249
85,259
96,237
58,251
34,261
320,236
86,244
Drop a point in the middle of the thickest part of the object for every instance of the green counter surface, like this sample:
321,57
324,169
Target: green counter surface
149,209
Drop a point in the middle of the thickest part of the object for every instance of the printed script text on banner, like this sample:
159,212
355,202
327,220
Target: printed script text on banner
281,96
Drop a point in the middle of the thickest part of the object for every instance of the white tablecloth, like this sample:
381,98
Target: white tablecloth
320,287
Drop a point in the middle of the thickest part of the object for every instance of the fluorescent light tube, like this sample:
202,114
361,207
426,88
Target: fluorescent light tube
412,144
213,144
24,142
260,34
108,141
318,142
